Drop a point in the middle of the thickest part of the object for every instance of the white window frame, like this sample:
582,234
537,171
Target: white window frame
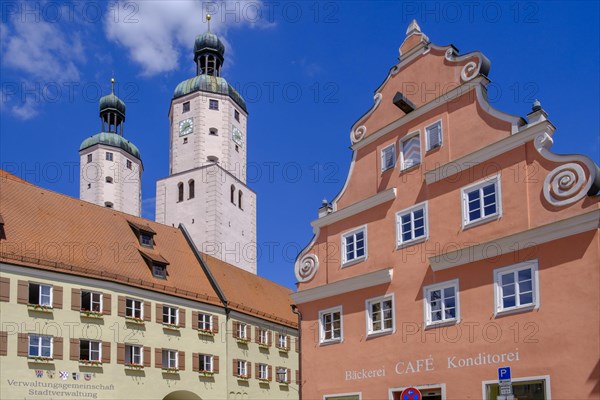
369,316
405,139
331,311
202,323
169,353
282,341
242,368
90,349
169,316
242,330
51,294
263,371
263,336
535,286
92,294
133,308
210,102
109,156
545,378
39,346
159,267
454,283
400,243
494,179
353,232
427,144
130,351
382,157
206,359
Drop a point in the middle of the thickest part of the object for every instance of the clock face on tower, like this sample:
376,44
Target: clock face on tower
236,136
186,127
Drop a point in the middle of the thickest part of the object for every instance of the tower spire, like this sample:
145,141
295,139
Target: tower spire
208,17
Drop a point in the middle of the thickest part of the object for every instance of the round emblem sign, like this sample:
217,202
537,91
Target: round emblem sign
411,394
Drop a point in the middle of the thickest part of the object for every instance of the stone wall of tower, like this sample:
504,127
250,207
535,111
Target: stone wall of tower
217,225
125,191
193,150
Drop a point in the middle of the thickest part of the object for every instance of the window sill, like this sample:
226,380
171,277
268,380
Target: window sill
481,221
408,169
353,262
264,381
206,374
171,327
94,364
264,346
383,171
515,310
134,367
242,341
134,321
330,342
174,371
40,360
440,324
205,332
411,242
373,335
243,378
40,308
91,314
283,350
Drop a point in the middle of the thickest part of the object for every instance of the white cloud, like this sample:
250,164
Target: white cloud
159,31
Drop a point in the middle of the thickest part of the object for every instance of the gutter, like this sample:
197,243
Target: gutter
299,314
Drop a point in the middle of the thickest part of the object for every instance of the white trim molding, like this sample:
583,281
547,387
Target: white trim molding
422,388
518,241
331,310
477,186
532,265
454,283
545,378
359,282
343,246
338,395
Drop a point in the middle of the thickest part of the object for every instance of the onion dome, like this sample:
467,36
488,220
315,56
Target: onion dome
208,41
112,140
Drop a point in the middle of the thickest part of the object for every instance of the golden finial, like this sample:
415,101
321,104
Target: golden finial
208,17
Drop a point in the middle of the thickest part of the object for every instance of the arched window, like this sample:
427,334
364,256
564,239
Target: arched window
232,194
180,191
213,159
240,200
108,204
109,179
213,132
192,187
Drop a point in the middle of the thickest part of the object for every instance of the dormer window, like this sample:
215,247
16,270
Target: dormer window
146,239
159,271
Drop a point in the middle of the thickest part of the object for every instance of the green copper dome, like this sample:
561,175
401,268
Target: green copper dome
113,140
210,84
112,102
209,41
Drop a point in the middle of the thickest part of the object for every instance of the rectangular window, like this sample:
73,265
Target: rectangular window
206,363
242,369
282,341
388,157
186,106
213,104
354,245
517,287
242,331
330,322
481,201
133,308
146,240
89,350
411,151
169,359
91,301
441,303
40,294
433,135
236,115
523,388
380,315
170,315
263,371
411,225
133,355
129,165
159,271
282,374
204,322
89,158
109,156
40,346
263,336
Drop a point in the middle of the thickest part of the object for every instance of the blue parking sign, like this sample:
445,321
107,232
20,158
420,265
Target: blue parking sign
504,374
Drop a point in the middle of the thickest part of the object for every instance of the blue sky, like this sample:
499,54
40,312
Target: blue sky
307,70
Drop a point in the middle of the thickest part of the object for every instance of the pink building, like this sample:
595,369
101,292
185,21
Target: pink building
459,244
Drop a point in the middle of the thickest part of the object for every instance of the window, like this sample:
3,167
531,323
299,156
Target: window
129,165
206,363
213,132
185,140
388,157
89,185
133,354
241,331
236,115
330,325
109,156
205,322
146,239
192,189
40,294
180,191
133,308
380,315
90,350
237,148
433,135
232,196
263,336
109,179
212,159
282,341
242,368
91,301
240,200
213,104
411,151
170,315
108,204
169,359
517,287
159,271
186,106
481,201
522,388
411,225
263,371
354,246
89,158
441,303
40,346
282,375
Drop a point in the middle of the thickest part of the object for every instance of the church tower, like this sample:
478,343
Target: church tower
206,187
110,165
